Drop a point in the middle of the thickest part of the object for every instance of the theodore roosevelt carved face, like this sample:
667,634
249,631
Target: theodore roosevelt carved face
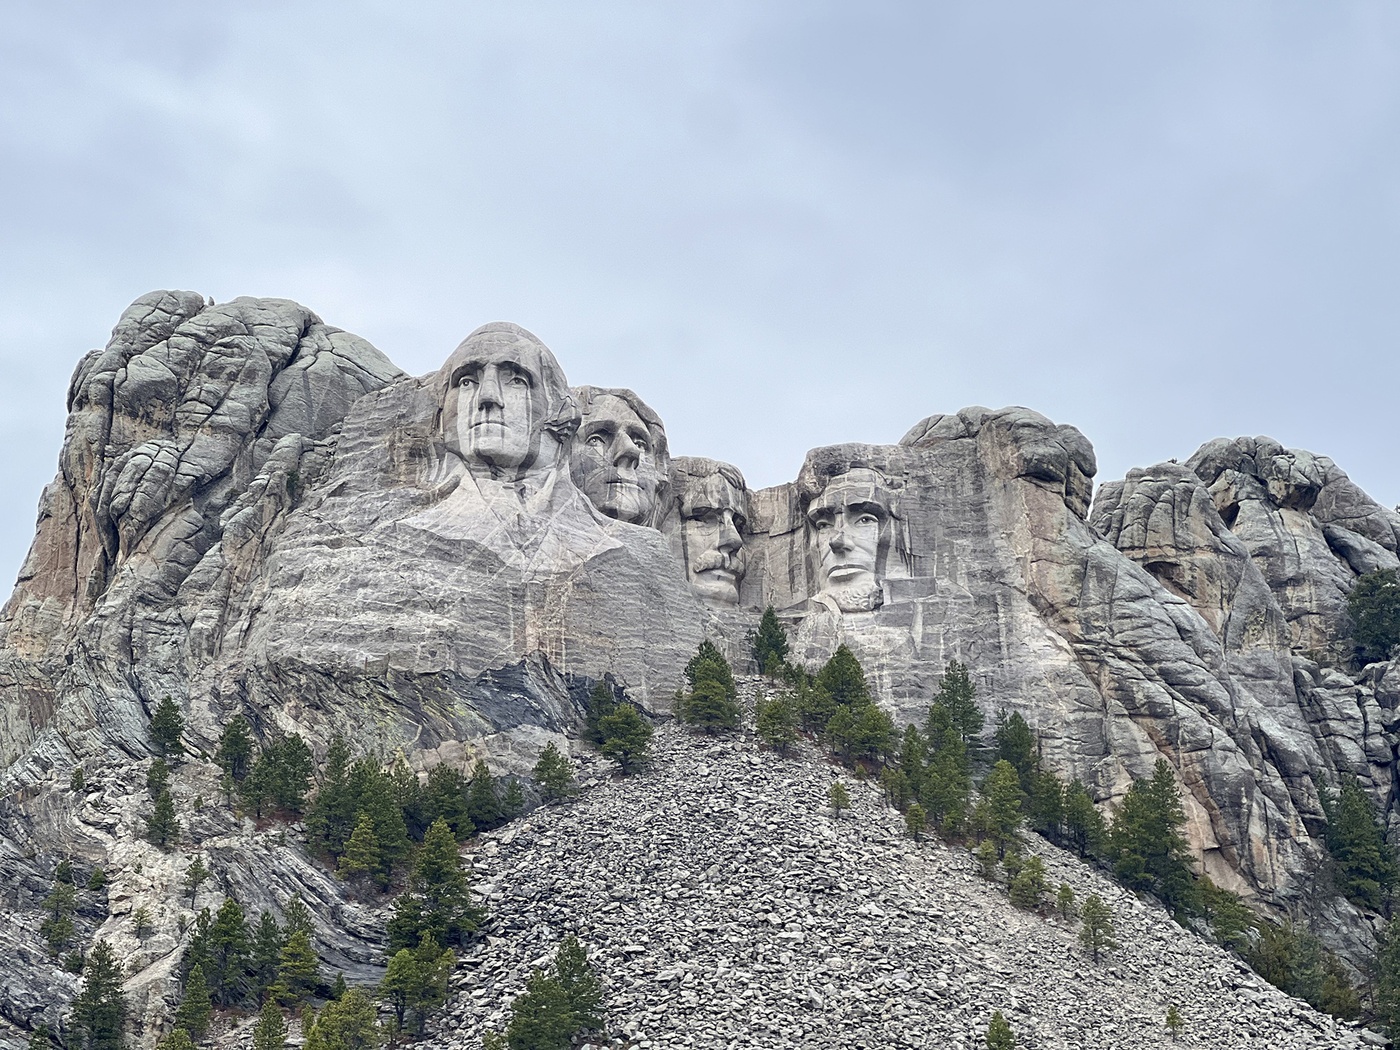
850,525
712,501
619,458
506,408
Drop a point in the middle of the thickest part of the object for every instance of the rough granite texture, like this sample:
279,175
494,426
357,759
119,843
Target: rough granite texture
257,513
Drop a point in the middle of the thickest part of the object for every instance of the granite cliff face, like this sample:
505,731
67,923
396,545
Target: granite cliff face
258,514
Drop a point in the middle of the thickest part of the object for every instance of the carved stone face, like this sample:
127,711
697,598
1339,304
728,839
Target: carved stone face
713,523
614,460
849,521
502,388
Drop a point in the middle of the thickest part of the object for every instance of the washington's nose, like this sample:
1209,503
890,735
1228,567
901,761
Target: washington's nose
489,393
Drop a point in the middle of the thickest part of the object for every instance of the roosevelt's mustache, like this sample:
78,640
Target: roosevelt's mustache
716,559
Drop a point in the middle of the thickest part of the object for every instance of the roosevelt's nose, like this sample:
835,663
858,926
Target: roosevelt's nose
625,451
729,538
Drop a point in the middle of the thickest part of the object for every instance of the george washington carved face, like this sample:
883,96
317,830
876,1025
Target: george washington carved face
505,402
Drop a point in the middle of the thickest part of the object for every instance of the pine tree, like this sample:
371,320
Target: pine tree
1015,743
602,702
1174,1022
770,644
1374,608
912,758
415,983
1045,809
580,984
195,1005
895,786
626,738
265,955
99,1011
554,773
999,1034
298,970
986,856
289,776
77,781
296,916
374,794
1387,976
957,696
166,726
157,777
844,680
1084,824
445,797
999,811
361,856
57,928
97,880
915,821
349,1023
228,955
775,720
162,826
1027,889
483,803
141,924
338,987
176,1039
838,798
271,1032
331,816
1064,900
438,899
709,708
946,788
1231,921
235,748
541,1018
1356,840
195,876
512,800
1096,931
408,795
1149,851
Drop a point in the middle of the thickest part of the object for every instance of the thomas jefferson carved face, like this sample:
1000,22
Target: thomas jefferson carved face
619,457
714,518
850,523
503,402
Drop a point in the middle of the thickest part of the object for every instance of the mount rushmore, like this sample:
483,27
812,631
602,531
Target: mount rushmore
259,514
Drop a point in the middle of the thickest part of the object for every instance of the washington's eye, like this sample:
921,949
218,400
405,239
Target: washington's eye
597,439
518,380
466,379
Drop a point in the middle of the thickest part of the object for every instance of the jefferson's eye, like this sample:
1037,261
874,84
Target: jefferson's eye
822,525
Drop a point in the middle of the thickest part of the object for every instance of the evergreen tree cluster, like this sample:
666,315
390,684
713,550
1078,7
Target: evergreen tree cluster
770,645
557,1004
1365,863
711,704
836,706
229,962
1374,609
617,729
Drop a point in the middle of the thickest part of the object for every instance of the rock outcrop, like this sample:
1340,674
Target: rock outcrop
257,514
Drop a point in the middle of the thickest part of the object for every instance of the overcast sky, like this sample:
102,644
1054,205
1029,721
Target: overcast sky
783,224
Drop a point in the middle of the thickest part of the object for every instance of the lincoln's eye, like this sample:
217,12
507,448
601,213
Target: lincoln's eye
867,519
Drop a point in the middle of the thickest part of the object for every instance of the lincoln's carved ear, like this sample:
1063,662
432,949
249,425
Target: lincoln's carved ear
565,422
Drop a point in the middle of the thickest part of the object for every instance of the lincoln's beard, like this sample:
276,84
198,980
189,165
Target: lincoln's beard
864,596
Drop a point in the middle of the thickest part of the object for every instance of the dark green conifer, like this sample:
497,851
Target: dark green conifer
361,857
1096,931
554,773
298,970
1374,609
999,810
1084,824
775,720
1015,743
162,826
271,1032
228,955
99,1011
483,801
626,738
235,752
999,1033
264,955
602,702
770,644
957,696
438,899
1365,862
1149,851
166,726
195,876
196,1007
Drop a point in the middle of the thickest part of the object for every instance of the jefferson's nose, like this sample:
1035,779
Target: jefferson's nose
625,451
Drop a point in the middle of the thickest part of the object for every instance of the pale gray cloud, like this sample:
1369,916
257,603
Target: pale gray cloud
784,225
